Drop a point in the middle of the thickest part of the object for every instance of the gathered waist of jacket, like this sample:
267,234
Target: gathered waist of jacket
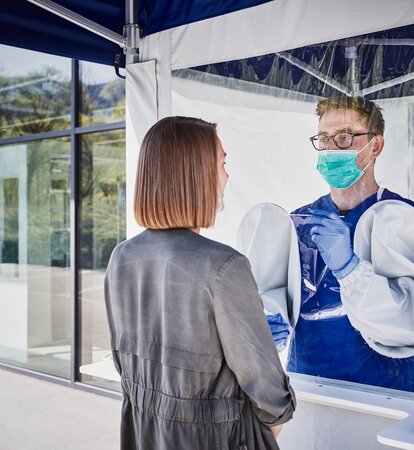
203,410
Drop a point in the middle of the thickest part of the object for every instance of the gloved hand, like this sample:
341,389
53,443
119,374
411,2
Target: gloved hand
332,237
279,328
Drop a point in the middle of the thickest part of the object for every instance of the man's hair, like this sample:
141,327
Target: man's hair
177,179
370,113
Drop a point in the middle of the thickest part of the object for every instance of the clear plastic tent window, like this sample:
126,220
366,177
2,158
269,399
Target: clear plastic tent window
375,66
358,329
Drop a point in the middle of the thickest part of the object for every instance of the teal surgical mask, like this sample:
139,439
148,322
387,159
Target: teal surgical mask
339,167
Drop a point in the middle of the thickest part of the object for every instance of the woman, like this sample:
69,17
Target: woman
198,364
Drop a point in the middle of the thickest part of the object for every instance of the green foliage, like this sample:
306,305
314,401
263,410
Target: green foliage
35,103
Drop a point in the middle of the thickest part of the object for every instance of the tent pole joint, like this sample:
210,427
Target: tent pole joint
131,32
131,42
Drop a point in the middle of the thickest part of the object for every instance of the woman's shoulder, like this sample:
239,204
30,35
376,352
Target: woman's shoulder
218,247
224,256
174,241
125,248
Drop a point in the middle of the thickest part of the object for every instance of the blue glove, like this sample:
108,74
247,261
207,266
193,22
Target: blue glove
332,237
279,328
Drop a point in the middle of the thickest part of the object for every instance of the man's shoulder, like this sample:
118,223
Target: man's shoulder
319,203
389,195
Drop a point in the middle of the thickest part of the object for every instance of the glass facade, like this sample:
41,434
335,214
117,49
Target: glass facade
102,226
52,312
102,96
34,92
34,255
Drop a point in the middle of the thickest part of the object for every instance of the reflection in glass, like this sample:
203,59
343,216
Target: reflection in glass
34,98
102,98
102,225
34,256
10,247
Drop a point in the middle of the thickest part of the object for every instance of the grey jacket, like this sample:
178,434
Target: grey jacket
198,365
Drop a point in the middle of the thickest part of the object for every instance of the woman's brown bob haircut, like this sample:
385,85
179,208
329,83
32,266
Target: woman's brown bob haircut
177,178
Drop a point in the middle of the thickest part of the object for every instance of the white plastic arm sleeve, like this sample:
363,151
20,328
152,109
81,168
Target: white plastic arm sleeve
382,309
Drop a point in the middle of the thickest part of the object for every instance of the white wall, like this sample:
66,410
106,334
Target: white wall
269,156
395,167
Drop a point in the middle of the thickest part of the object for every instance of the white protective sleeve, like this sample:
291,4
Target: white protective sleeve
378,295
267,236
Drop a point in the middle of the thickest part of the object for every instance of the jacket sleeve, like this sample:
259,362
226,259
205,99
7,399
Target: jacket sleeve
381,308
247,343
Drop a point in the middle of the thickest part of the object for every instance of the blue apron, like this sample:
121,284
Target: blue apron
324,342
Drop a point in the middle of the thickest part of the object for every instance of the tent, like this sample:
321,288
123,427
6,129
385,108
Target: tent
322,48
258,27
298,34
22,24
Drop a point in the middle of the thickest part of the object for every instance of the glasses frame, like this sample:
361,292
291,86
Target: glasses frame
333,136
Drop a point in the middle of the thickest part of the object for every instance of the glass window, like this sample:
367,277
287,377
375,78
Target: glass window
265,111
102,225
102,98
34,256
35,283
34,92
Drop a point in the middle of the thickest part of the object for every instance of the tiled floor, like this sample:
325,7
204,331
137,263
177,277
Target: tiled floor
40,415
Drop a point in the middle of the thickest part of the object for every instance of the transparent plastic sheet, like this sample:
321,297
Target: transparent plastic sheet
375,66
265,110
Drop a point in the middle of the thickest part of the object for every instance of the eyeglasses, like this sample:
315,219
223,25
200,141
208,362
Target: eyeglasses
342,140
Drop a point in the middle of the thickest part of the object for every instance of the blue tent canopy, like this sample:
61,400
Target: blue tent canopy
25,25
295,70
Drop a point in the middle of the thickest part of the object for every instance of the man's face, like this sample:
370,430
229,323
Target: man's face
345,120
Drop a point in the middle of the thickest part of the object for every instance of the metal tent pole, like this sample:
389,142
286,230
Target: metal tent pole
351,54
77,19
130,39
312,71
131,32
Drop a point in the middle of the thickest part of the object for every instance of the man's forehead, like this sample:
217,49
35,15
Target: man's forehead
340,119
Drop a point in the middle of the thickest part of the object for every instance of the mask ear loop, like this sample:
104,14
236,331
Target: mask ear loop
362,149
365,146
366,167
220,205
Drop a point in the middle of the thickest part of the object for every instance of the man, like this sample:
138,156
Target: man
336,285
